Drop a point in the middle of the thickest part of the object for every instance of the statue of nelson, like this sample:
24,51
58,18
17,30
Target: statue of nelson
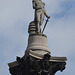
40,12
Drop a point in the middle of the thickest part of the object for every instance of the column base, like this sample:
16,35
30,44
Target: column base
33,66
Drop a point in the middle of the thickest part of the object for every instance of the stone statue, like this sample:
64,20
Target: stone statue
40,12
37,59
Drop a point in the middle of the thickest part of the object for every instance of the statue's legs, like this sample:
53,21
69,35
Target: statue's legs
39,17
38,27
38,20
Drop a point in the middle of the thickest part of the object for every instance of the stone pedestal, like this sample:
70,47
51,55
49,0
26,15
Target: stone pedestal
37,46
37,59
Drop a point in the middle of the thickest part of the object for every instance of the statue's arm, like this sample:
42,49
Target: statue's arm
45,13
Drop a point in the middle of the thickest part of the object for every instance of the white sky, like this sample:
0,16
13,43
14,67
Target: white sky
15,16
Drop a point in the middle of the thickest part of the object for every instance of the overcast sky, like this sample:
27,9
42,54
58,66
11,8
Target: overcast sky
15,16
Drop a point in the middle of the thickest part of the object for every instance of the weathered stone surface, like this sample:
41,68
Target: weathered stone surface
13,64
37,46
32,28
32,66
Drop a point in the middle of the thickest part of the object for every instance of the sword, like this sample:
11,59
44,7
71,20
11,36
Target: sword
45,25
